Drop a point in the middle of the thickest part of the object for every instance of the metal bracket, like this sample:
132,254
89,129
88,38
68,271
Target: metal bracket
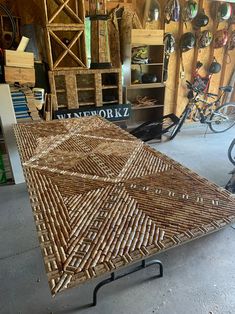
113,276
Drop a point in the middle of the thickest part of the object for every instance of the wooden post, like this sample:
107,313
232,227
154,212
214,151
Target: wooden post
100,51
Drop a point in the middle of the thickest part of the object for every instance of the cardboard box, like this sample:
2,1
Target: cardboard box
20,75
19,59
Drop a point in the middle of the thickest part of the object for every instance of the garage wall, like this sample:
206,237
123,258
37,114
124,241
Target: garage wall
176,86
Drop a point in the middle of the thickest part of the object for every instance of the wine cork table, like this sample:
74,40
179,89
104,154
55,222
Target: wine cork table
103,200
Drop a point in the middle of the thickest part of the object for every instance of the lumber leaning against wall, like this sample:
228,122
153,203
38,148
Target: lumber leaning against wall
175,87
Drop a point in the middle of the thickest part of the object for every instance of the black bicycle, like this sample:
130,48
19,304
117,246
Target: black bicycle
218,117
231,152
230,186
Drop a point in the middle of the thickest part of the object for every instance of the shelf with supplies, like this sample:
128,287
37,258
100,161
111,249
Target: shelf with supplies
143,76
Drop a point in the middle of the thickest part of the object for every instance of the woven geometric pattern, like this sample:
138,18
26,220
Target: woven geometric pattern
103,199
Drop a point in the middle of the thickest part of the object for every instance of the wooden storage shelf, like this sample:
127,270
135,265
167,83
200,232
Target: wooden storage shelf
155,53
151,94
137,70
82,87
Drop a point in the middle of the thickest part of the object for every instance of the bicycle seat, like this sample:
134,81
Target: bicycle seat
226,89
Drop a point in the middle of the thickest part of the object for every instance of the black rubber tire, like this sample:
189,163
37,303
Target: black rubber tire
179,125
231,152
214,119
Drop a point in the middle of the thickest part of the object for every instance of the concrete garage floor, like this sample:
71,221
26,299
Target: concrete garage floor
199,277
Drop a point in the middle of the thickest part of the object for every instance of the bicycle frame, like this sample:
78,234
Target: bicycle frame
204,117
207,79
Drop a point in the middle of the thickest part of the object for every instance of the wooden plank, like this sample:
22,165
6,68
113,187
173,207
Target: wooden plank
23,44
148,37
179,60
98,89
19,59
120,91
71,88
143,86
65,27
22,76
53,100
146,11
7,120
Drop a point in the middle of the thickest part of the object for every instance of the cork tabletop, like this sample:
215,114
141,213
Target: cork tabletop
103,199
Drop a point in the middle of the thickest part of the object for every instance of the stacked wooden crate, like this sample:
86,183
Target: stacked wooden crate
19,67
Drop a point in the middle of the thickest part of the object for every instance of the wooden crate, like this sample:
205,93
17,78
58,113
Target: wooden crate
80,87
64,12
70,54
147,36
65,34
22,76
19,59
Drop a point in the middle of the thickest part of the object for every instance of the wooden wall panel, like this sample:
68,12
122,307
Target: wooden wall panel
176,86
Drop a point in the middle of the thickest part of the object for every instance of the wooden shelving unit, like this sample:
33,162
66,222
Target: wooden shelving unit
65,34
153,42
75,88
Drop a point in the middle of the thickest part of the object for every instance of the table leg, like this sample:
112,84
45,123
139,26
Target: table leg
113,277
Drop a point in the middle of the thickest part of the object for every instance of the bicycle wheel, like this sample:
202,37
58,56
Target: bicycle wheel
182,119
8,35
231,152
223,118
196,115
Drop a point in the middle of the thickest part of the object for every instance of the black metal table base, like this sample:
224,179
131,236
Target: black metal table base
113,277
